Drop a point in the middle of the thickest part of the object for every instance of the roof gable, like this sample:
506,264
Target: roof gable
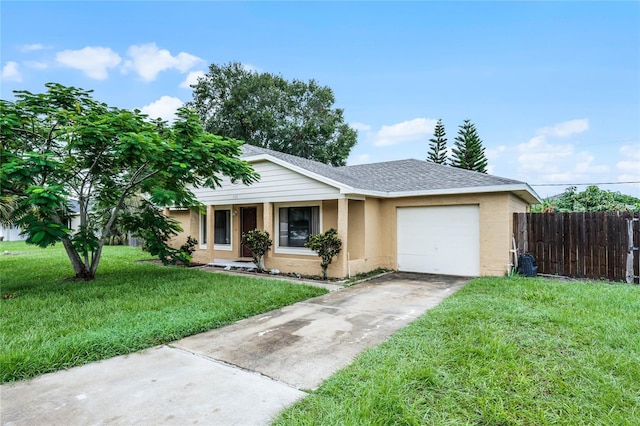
395,178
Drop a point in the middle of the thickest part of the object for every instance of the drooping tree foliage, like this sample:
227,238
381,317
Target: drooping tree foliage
268,111
592,199
438,145
8,209
468,151
116,164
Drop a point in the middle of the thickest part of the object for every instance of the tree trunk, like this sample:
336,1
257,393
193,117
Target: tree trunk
79,267
260,263
95,259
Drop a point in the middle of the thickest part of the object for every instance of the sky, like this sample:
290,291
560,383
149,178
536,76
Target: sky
553,88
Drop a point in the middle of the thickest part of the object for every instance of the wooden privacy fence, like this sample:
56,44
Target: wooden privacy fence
596,245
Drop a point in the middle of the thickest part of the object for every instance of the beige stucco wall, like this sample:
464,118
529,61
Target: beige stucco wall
368,230
303,264
356,231
308,264
187,220
495,226
374,239
329,215
209,254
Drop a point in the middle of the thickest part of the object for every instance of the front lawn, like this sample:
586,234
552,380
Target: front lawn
499,352
50,323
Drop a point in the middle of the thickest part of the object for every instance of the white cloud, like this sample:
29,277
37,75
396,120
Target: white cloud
164,108
541,161
629,167
93,61
494,153
360,126
566,128
360,159
540,158
410,130
11,72
563,177
148,60
192,79
37,65
31,47
584,164
250,68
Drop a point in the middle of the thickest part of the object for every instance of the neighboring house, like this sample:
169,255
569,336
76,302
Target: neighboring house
407,215
14,233
11,233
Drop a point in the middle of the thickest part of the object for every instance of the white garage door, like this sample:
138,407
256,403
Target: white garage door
439,240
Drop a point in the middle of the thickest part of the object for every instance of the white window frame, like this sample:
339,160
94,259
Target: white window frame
276,224
223,247
202,219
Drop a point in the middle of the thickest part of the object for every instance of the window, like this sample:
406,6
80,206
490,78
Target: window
297,224
222,227
203,230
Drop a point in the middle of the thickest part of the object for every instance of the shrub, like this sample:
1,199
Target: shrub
258,242
327,246
190,246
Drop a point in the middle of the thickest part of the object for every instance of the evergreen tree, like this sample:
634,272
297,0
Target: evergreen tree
438,145
468,152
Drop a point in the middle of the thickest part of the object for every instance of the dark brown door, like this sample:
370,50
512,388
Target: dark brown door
248,220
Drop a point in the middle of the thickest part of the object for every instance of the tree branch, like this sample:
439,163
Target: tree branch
48,140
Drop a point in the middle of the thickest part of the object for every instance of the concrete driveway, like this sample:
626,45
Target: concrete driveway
242,374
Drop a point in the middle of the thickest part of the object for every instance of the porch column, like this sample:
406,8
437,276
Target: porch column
267,224
343,232
210,231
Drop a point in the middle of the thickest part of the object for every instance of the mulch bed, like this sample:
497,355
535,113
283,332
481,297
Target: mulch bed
159,262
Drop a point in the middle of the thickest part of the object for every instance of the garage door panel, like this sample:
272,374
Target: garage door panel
439,240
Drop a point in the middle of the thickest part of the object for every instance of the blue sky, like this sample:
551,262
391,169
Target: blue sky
552,87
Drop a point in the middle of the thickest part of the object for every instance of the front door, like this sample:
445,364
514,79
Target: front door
248,222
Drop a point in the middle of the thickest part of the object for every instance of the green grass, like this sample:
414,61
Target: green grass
501,351
49,322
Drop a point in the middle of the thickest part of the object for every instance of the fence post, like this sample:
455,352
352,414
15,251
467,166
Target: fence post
630,276
521,232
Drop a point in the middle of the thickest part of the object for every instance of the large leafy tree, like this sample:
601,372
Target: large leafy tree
438,145
63,145
268,111
592,199
468,151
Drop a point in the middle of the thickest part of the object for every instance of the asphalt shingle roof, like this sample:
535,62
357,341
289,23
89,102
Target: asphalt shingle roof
391,176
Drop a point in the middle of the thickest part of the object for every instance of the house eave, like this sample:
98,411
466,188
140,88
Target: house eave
523,191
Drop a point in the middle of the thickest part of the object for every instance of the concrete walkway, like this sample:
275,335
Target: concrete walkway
242,374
